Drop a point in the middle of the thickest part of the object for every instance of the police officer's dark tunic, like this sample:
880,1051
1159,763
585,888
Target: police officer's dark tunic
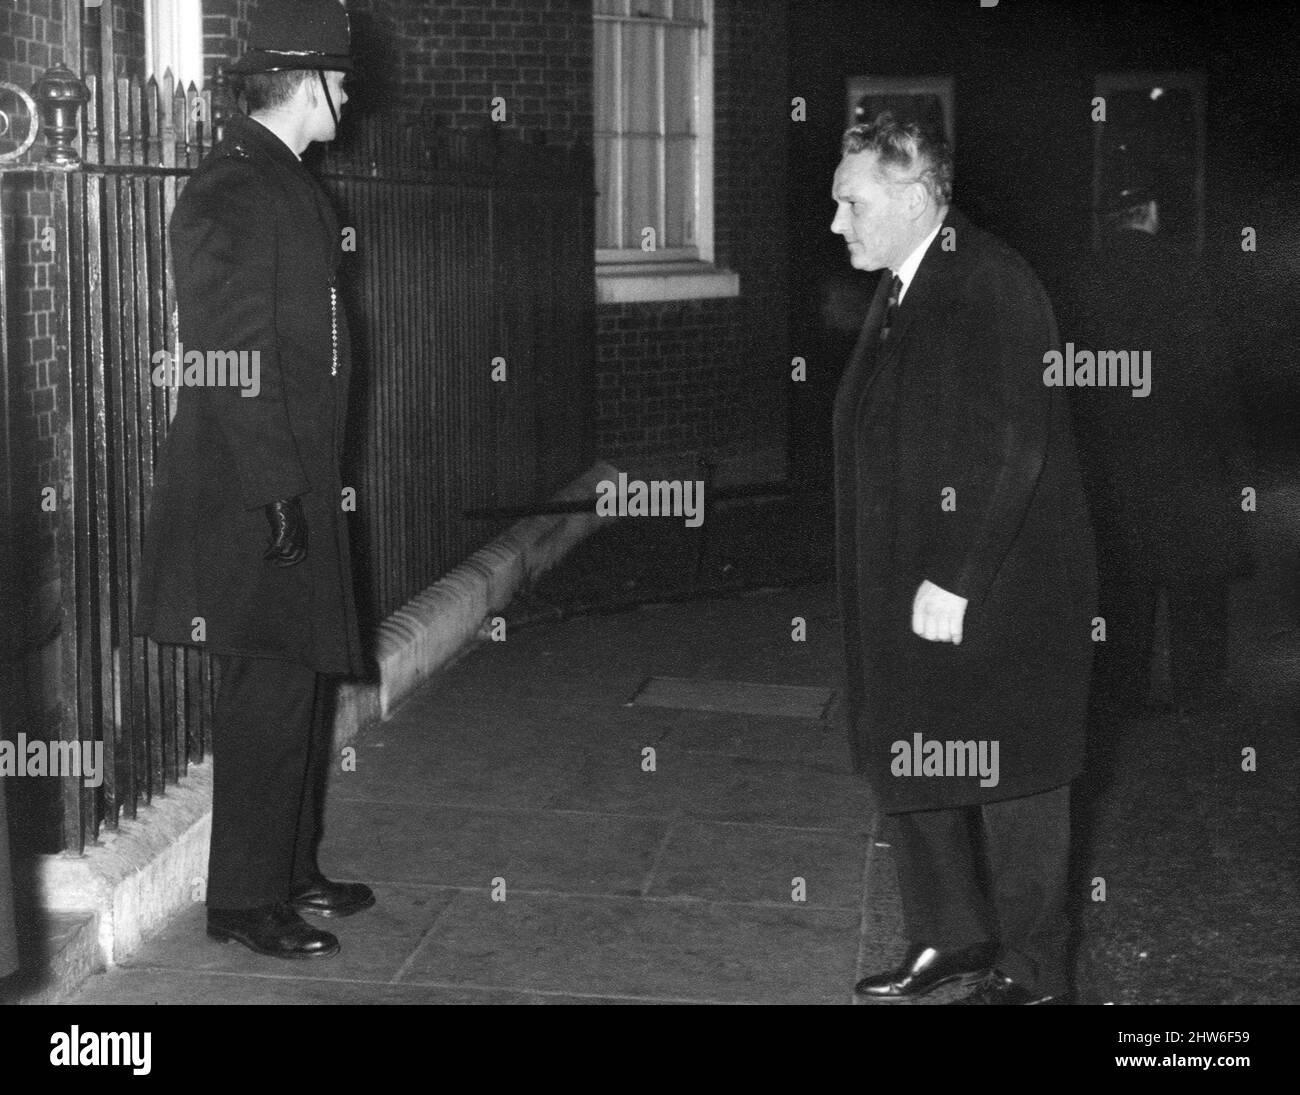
255,251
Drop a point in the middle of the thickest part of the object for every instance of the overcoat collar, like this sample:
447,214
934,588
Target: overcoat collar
935,270
246,136
243,129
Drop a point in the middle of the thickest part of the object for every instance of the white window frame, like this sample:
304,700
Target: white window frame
680,273
173,39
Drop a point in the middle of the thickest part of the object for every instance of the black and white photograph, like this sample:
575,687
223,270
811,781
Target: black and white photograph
650,502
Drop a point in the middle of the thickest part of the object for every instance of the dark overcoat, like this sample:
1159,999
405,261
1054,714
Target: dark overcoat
255,248
957,399
1156,468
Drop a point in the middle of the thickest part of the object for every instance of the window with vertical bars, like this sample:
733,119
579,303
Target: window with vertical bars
651,129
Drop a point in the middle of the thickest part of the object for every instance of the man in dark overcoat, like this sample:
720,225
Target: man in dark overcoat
247,550
1157,467
966,578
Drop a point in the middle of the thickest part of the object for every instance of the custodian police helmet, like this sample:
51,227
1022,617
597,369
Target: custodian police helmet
297,34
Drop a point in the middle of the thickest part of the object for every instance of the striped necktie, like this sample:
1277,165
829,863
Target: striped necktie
891,308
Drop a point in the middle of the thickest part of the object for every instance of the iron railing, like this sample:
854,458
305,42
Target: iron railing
472,264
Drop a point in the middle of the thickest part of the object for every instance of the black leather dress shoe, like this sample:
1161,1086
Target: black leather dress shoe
925,968
997,988
325,898
273,930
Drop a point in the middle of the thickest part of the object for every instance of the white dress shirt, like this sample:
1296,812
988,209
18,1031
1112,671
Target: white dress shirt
907,271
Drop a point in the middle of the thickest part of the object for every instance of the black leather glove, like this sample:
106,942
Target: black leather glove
288,543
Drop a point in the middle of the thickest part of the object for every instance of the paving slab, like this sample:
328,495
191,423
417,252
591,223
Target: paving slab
720,787
642,949
817,744
491,772
760,864
468,847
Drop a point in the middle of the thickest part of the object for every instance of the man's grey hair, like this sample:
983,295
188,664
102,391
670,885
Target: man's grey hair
909,149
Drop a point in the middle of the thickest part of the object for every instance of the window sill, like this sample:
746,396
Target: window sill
636,283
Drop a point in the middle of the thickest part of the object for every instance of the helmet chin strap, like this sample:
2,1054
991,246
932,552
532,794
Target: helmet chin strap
328,98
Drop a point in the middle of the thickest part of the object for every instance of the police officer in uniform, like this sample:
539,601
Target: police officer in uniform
246,551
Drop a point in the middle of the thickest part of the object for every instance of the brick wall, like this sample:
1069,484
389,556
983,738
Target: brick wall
29,616
659,371
31,362
447,60
31,41
225,32
128,37
710,377
32,38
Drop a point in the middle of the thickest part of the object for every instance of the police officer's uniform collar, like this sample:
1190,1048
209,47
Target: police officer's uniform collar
244,128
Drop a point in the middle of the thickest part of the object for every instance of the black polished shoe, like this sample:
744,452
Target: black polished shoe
926,968
997,988
274,930
325,898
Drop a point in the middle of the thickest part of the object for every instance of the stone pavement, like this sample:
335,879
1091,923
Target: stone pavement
1199,848
523,764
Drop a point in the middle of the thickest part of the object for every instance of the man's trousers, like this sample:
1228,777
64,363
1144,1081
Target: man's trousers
270,755
998,871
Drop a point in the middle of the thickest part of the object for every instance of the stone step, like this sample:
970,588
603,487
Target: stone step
69,944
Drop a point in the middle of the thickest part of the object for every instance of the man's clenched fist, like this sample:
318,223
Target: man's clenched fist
937,614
